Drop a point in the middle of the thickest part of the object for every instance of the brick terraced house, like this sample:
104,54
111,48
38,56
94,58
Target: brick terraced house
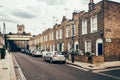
96,31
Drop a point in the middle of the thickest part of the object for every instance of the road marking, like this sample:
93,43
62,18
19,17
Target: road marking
78,67
105,70
19,69
109,75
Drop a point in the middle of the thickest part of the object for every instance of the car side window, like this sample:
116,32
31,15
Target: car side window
46,53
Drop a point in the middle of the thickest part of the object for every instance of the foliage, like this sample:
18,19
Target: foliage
87,53
3,52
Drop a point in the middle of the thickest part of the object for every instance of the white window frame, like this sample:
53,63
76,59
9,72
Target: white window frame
60,33
84,26
52,36
56,34
67,32
94,24
74,30
73,34
49,36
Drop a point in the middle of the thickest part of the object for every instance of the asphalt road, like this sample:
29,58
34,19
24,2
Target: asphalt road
35,68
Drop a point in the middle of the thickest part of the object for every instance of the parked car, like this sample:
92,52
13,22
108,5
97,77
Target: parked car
27,51
55,56
22,50
44,53
36,53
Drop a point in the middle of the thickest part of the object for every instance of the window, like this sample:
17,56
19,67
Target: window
88,46
56,34
60,33
52,36
46,37
67,31
43,38
94,24
84,26
73,29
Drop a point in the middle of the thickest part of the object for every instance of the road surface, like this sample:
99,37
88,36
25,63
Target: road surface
35,68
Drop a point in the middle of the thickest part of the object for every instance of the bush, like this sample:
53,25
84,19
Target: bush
87,53
3,52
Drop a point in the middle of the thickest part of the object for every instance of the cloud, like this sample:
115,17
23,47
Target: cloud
53,2
8,20
5,16
84,2
23,14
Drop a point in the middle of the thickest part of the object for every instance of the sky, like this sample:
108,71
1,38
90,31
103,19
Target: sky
38,15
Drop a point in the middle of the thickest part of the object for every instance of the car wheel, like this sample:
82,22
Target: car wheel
33,55
51,61
64,62
45,60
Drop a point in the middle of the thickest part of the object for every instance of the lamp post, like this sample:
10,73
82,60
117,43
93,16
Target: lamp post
72,53
72,34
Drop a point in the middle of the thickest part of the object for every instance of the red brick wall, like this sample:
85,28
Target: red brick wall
112,50
112,31
112,20
82,58
97,59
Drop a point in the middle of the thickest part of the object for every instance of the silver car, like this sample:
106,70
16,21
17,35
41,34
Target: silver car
37,53
55,56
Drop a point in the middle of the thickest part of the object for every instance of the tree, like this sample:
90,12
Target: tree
3,52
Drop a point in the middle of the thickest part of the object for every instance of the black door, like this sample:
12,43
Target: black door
99,48
60,47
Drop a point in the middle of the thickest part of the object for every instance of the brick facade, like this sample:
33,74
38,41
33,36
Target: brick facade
2,41
96,31
112,31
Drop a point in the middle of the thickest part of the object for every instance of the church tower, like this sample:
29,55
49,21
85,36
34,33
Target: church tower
20,29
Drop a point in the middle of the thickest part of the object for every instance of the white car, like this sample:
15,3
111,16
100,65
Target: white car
55,56
37,53
44,53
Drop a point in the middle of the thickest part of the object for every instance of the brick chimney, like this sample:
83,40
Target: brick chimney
64,18
91,5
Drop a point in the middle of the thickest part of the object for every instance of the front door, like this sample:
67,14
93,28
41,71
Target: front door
60,47
99,48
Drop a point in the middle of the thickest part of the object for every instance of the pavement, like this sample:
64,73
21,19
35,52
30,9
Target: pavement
99,66
7,71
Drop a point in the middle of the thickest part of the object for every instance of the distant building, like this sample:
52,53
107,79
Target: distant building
20,29
19,40
2,41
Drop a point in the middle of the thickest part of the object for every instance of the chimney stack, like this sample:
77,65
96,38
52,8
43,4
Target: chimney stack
64,18
91,5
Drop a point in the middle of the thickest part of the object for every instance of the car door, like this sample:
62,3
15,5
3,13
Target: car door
49,55
46,56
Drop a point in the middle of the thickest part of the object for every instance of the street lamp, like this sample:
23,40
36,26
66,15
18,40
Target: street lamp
72,34
72,53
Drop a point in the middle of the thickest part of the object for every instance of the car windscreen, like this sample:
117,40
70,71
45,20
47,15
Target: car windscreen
59,53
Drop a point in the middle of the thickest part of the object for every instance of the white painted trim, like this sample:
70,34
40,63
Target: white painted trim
62,46
69,47
86,46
